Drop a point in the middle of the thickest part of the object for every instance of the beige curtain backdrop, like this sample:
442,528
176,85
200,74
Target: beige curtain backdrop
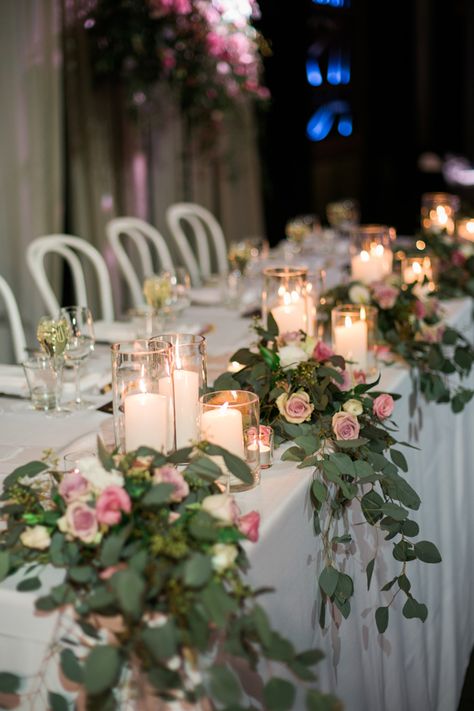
31,144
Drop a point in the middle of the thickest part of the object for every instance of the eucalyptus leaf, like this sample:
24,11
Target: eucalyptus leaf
427,552
412,608
4,564
328,580
381,619
101,669
9,683
71,667
158,495
369,572
129,587
57,702
162,641
279,694
224,685
197,570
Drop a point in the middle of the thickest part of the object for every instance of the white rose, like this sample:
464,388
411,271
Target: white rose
290,356
98,477
467,249
327,447
223,507
308,345
359,294
36,537
223,557
353,406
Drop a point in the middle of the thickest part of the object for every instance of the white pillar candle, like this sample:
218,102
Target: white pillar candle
146,421
350,341
186,401
369,267
291,316
224,426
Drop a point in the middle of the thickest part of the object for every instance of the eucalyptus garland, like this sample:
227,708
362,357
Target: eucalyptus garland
455,259
411,324
340,427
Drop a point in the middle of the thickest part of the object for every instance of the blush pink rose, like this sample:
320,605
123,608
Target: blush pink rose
110,504
170,475
73,486
420,309
385,294
295,408
248,525
383,406
345,425
360,377
81,521
346,380
322,352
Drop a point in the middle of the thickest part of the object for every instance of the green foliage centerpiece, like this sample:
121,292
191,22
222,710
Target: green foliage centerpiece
153,603
338,426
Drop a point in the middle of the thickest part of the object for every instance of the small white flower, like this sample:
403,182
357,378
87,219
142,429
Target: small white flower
359,294
223,507
174,663
291,356
223,557
98,477
353,406
36,537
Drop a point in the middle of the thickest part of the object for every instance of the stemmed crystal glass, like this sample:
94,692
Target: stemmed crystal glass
79,346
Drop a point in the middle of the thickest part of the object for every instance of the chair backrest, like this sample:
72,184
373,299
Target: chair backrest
14,318
205,228
148,242
66,246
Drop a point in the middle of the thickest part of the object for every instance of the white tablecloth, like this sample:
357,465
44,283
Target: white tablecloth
414,666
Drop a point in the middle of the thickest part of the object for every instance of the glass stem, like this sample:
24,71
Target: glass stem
77,383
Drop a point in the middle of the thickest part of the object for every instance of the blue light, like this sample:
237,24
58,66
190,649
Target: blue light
322,121
333,3
344,127
334,74
345,70
313,72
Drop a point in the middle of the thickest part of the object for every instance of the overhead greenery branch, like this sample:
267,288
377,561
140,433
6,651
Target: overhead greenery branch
412,327
339,426
154,599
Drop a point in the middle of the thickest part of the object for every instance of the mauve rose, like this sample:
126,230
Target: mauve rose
420,309
110,504
458,258
80,521
385,295
248,525
345,426
223,507
170,475
296,408
383,406
73,486
322,352
346,380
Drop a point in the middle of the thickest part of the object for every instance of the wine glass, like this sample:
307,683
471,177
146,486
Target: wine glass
79,346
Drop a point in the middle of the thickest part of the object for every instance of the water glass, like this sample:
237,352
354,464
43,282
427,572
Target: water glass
44,382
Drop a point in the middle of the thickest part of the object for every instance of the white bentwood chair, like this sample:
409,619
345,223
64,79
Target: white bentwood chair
206,232
14,319
150,245
68,247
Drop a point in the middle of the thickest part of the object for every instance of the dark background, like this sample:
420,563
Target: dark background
411,91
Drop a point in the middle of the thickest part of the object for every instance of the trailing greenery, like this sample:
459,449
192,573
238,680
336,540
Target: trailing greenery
153,567
411,324
338,426
455,259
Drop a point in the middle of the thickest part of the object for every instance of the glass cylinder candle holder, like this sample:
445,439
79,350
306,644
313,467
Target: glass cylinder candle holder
354,331
261,439
189,382
143,412
419,270
226,419
285,296
438,212
371,252
465,229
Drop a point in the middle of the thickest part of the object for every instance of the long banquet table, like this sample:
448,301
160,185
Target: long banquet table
413,666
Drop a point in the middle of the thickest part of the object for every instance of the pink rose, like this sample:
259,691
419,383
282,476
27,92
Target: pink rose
80,521
345,425
346,380
110,504
170,475
322,352
73,486
248,525
359,377
383,406
296,408
420,309
457,258
385,294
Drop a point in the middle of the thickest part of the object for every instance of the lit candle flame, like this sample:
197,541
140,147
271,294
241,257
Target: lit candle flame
348,322
379,250
470,227
442,215
286,298
295,296
362,314
416,268
364,256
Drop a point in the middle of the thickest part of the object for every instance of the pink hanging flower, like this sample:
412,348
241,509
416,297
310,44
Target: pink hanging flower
248,525
383,406
110,504
322,352
170,475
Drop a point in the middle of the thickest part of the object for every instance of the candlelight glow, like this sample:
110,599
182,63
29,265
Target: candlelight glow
417,268
348,322
363,315
378,250
364,256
